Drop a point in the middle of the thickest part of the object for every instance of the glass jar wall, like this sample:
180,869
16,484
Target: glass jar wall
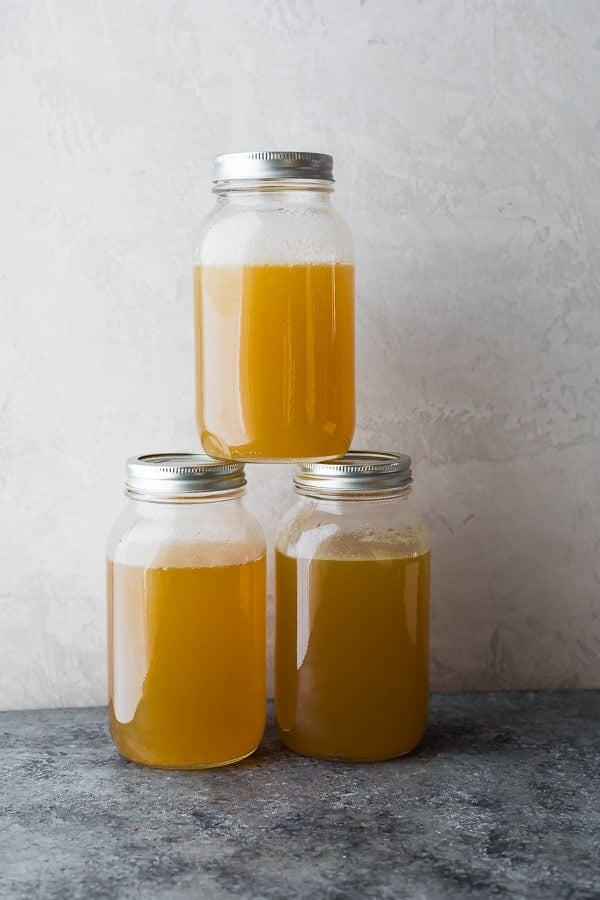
274,312
186,615
352,612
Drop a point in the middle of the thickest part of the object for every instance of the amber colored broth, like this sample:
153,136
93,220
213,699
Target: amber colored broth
351,655
275,360
187,661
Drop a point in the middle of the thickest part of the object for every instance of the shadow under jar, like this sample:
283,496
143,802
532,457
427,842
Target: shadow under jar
352,611
274,312
186,615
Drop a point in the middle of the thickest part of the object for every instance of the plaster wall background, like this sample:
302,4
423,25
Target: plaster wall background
466,140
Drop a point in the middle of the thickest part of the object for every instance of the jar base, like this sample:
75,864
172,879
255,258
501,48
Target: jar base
353,759
284,461
219,449
187,767
304,748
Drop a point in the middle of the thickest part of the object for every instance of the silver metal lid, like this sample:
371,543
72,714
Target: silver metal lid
273,164
357,472
163,476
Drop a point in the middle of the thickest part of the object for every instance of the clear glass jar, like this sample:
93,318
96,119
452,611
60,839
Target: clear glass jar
274,312
186,615
352,611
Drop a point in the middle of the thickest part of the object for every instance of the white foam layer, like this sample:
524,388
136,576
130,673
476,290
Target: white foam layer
187,555
276,237
299,540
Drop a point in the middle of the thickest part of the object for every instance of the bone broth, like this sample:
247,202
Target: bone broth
275,360
187,660
352,654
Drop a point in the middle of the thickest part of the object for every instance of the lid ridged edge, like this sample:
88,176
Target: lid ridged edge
357,472
273,164
162,475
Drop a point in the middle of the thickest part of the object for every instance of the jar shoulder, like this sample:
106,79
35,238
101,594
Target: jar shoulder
189,533
274,234
356,529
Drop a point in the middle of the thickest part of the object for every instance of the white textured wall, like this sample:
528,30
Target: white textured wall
467,144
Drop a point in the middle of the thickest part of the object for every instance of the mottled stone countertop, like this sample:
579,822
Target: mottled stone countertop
501,800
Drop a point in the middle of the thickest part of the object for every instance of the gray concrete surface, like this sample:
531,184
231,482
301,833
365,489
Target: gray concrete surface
501,800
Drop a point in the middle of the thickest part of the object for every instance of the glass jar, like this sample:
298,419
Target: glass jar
186,615
352,611
274,312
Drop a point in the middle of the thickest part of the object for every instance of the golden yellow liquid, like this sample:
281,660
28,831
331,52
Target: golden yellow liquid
187,659
351,655
275,360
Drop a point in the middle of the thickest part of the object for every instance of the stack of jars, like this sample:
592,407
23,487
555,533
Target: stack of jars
274,322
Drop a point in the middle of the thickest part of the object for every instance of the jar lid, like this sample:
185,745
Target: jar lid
358,471
164,476
274,165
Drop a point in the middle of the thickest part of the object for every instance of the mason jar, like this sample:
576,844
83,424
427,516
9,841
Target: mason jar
186,615
274,312
352,611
